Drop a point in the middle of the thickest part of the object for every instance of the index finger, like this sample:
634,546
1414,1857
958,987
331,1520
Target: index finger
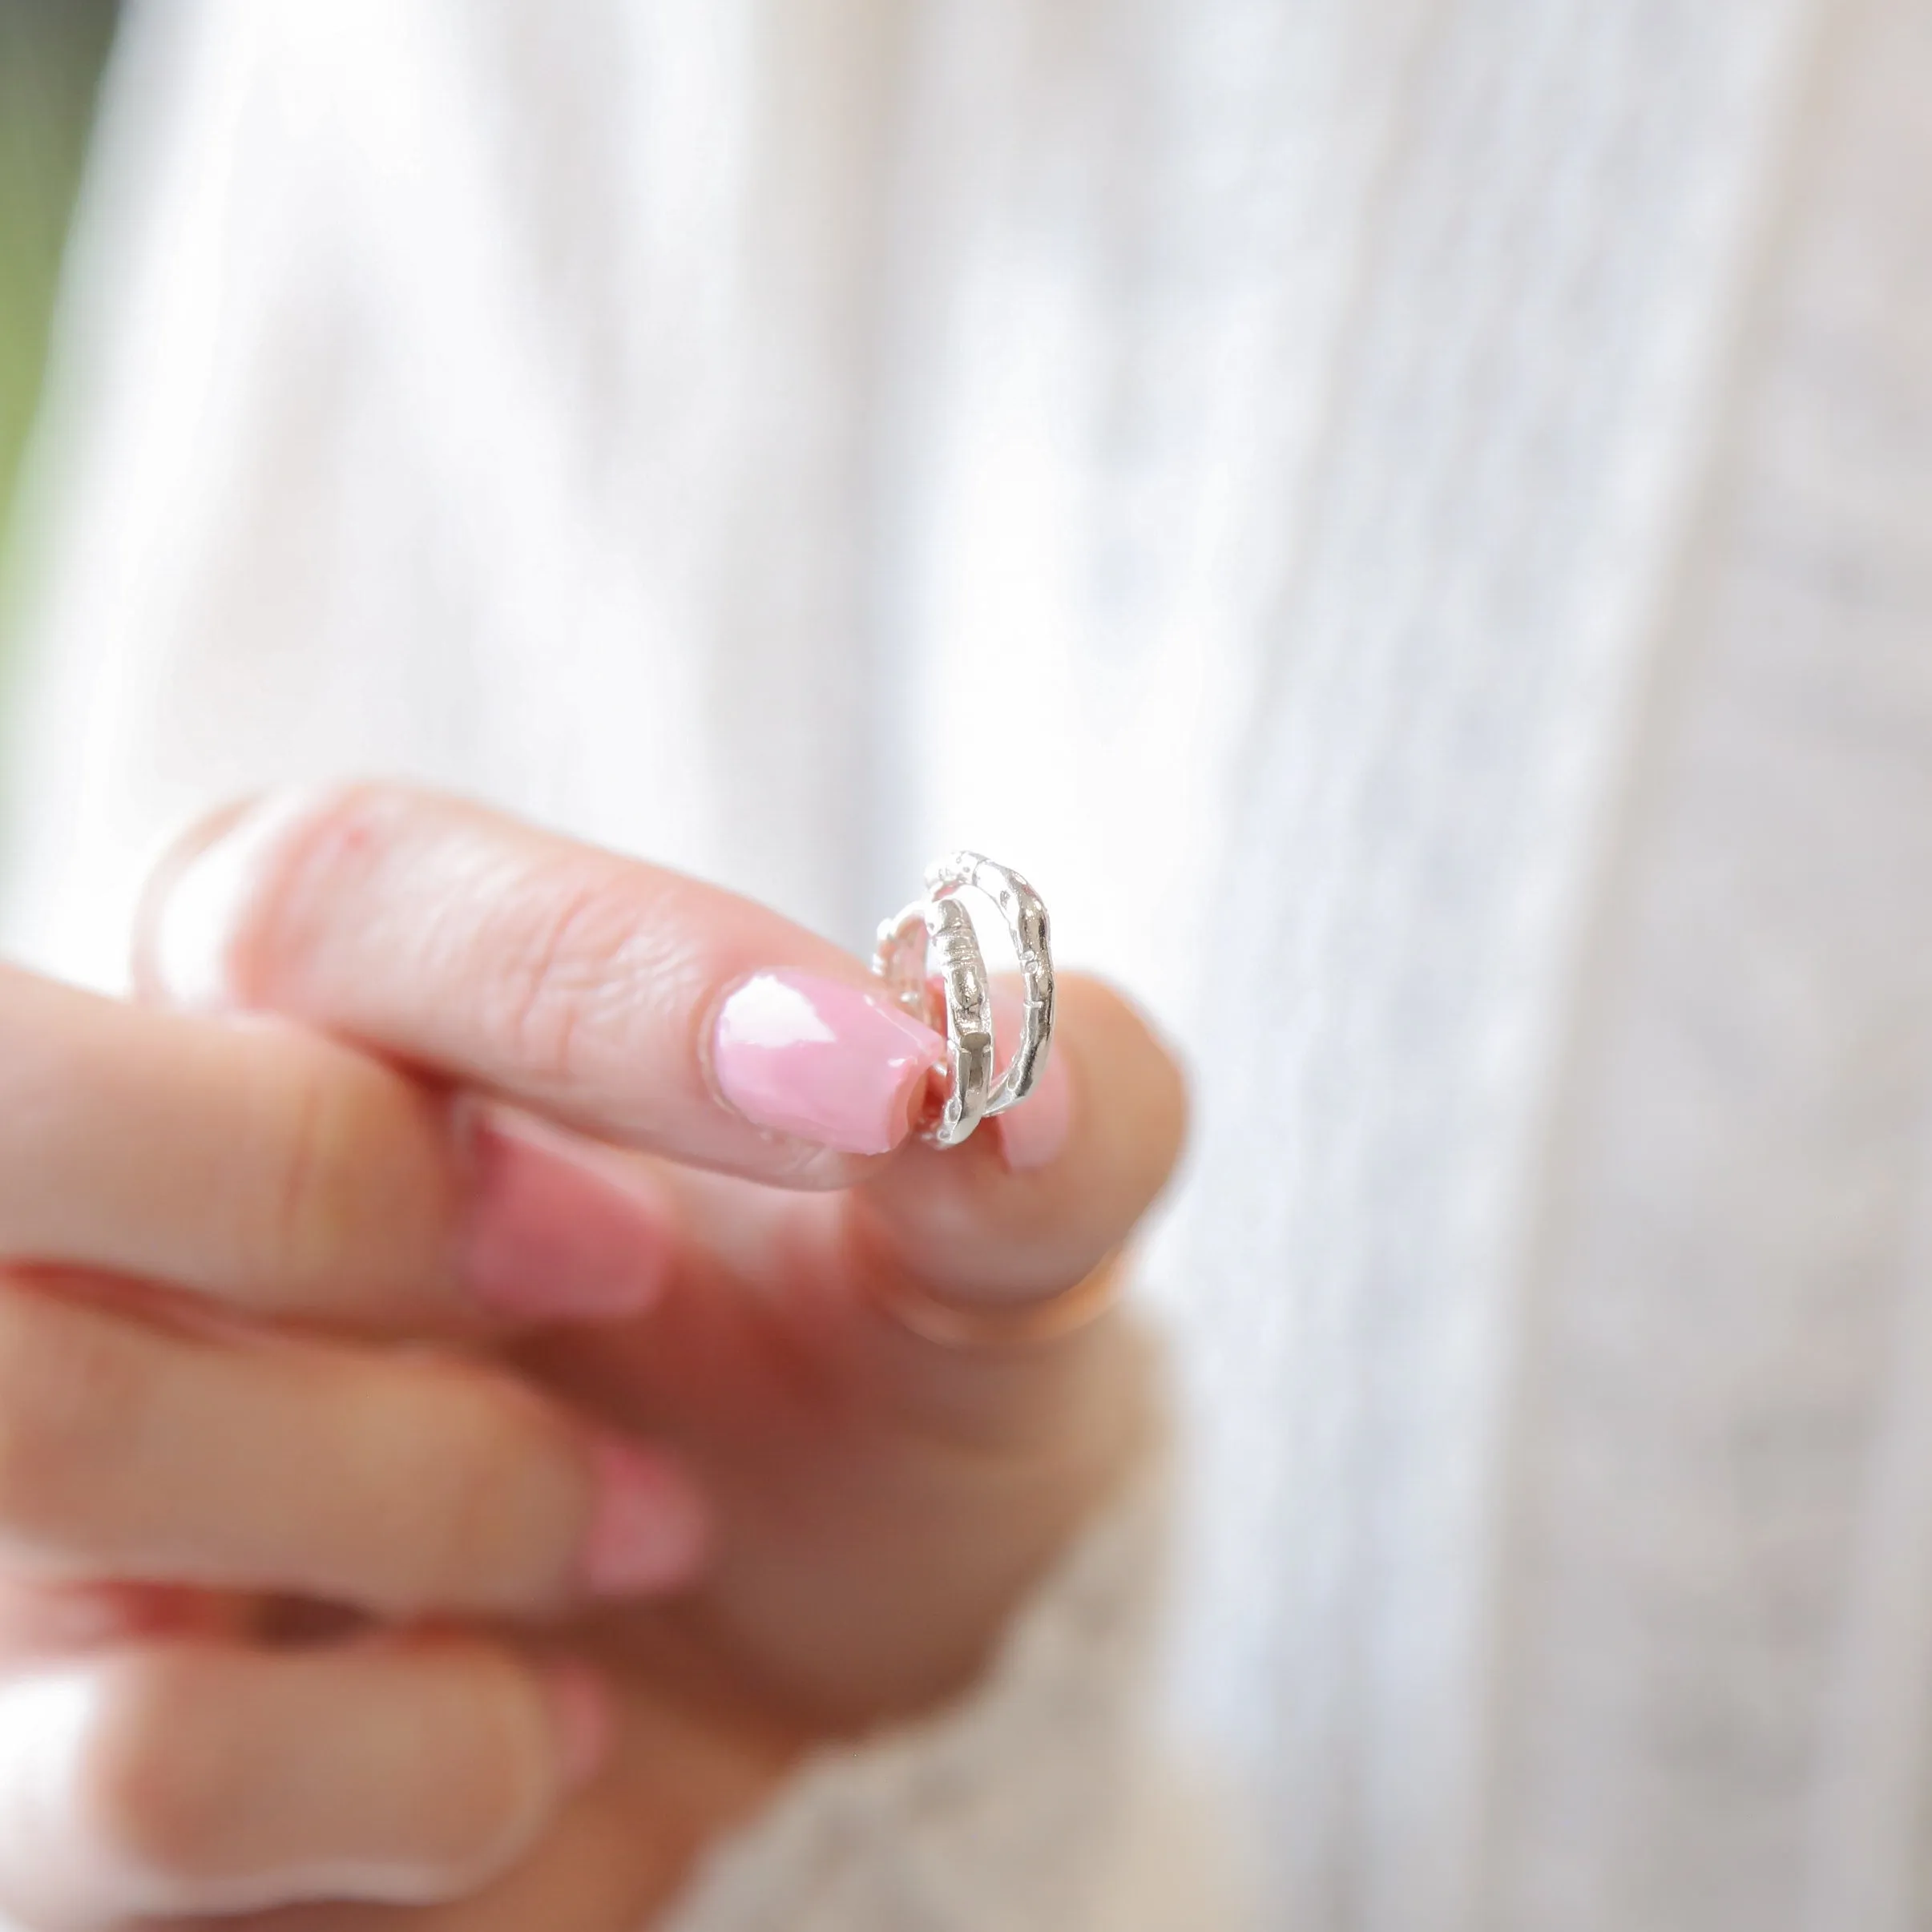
620,998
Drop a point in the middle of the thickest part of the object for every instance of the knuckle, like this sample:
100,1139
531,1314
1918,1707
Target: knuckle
345,1191
70,1394
158,1779
565,964
303,1214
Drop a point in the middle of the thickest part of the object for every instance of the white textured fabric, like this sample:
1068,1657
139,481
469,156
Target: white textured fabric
985,1816
1455,474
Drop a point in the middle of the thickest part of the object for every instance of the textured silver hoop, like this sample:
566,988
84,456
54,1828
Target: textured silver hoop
1025,913
937,933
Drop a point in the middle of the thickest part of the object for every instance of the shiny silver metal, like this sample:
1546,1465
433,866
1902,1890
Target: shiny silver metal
930,959
1025,913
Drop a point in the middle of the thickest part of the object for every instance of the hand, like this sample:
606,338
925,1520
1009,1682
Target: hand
878,1501
170,1187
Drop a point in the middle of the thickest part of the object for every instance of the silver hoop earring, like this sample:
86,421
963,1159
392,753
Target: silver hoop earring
929,957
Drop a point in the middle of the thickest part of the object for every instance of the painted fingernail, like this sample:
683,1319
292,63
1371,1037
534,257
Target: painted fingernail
193,936
820,1060
649,1529
1034,1132
547,1236
586,1721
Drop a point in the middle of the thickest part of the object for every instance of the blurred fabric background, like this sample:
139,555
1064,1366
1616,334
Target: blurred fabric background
51,52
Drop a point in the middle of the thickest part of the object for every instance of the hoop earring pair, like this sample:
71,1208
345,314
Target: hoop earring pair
930,957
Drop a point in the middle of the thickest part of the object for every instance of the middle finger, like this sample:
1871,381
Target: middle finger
397,1484
279,1173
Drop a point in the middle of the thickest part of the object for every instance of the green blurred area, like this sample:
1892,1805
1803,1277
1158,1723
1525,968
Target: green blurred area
51,52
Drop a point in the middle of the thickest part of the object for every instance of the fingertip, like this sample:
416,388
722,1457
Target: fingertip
1034,1133
1035,1200
585,1718
1146,1073
548,1237
649,1531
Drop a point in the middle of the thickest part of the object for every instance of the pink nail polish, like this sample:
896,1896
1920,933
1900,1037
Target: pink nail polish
548,1237
587,1724
822,1060
648,1529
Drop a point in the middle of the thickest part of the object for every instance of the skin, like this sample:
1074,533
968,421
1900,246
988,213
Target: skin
290,1529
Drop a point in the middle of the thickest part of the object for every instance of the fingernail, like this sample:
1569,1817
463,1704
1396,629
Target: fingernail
548,1237
820,1060
648,1529
195,925
586,1721
1035,1130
